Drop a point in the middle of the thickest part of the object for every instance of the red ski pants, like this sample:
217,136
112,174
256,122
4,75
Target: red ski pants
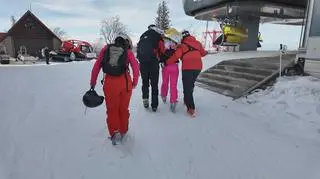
117,91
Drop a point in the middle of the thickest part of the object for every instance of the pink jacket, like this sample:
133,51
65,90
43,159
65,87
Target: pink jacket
131,60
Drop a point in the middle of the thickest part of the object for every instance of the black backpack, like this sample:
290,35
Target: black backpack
114,62
146,46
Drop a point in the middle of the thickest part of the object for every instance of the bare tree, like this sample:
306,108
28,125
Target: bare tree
13,20
111,27
60,32
98,45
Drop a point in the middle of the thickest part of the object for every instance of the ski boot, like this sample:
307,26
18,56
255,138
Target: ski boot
173,107
154,109
191,113
116,138
164,99
145,103
124,137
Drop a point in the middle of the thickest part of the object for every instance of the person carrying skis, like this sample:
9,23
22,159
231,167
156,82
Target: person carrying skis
170,72
190,53
149,49
115,59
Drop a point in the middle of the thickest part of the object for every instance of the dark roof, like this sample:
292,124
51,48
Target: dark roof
28,13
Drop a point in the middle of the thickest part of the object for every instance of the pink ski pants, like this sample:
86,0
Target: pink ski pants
170,75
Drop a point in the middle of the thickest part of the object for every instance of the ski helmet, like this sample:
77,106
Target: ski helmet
173,35
91,99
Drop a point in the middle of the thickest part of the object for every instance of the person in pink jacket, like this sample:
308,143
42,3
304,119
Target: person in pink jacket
170,74
117,88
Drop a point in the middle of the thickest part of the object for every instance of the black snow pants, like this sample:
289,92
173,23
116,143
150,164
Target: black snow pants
47,56
188,79
47,60
150,75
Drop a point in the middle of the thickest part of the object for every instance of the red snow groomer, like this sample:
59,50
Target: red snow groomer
73,50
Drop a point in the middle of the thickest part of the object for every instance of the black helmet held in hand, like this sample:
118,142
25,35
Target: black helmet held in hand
91,99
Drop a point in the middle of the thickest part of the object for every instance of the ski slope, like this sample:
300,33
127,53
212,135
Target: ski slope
46,134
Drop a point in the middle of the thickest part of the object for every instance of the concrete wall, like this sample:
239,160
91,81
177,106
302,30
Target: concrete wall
8,43
315,21
56,44
312,67
252,23
312,63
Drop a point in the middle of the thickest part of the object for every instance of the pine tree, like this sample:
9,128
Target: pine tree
162,20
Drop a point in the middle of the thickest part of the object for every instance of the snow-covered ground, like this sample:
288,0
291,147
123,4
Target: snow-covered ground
14,63
45,133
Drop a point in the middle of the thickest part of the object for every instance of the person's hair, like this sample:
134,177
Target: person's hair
119,41
185,33
128,44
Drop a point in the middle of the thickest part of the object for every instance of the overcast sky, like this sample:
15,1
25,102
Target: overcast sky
81,18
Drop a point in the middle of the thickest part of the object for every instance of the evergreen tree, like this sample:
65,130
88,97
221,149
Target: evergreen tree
162,20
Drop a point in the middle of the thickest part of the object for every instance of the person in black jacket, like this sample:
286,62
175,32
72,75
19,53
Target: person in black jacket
149,49
46,54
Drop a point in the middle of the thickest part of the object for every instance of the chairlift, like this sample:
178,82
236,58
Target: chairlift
231,35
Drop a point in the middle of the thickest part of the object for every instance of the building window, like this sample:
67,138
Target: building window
29,24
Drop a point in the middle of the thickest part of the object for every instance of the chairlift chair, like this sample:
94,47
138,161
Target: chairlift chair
231,36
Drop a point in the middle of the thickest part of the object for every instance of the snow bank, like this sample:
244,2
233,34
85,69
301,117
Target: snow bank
40,64
292,106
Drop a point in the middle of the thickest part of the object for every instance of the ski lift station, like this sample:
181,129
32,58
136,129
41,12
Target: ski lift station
239,21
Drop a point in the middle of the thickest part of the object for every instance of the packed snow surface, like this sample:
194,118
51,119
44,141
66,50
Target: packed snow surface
45,132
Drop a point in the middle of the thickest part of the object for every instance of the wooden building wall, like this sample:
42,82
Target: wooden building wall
30,33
